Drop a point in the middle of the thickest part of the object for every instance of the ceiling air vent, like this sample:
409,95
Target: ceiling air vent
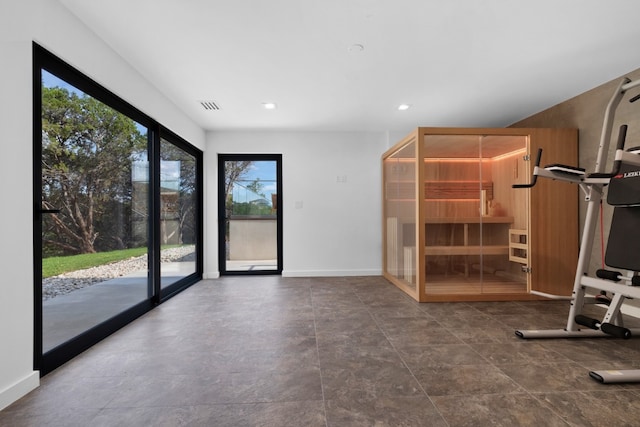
209,105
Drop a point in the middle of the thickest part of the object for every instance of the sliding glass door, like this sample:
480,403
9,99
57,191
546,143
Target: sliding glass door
94,213
250,221
117,212
179,229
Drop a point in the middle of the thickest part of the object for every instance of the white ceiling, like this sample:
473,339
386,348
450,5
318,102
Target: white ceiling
456,62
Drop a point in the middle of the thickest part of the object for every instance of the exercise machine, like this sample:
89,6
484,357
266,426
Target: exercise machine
623,247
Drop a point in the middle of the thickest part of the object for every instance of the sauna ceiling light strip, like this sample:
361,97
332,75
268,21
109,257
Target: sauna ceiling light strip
209,105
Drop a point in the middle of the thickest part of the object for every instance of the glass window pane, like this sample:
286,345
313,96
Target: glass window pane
400,214
178,209
471,211
95,193
251,232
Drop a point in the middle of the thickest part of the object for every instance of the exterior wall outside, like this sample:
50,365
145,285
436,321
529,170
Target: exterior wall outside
252,239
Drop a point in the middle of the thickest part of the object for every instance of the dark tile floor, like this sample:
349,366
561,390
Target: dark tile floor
272,351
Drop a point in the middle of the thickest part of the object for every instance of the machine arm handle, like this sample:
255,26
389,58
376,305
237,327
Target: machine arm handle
622,136
535,177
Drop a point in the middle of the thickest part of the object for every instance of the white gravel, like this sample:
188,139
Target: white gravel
69,282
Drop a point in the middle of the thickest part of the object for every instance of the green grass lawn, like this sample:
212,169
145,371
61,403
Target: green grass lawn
63,264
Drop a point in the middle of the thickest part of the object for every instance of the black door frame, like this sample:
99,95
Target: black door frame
222,264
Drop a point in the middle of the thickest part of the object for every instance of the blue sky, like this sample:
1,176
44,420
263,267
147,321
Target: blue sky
266,171
263,169
50,80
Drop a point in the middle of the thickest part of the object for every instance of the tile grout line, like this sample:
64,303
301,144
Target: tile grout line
375,320
315,333
524,389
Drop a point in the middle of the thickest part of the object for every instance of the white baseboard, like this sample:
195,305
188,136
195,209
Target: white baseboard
19,389
330,273
312,273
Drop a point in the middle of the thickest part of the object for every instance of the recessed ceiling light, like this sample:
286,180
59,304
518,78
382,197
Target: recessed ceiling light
403,107
269,105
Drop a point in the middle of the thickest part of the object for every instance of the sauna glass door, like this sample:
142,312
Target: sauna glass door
470,210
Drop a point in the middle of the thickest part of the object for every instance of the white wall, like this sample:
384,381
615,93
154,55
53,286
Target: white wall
330,228
50,25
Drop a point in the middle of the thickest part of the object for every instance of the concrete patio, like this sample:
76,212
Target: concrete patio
66,316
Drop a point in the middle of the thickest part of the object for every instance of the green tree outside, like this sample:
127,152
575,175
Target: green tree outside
87,154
